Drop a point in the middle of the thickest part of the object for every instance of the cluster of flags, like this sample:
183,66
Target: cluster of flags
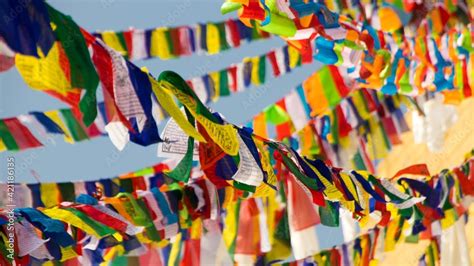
249,190
430,49
168,43
15,133
149,210
209,87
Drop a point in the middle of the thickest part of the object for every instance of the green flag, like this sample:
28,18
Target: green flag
83,74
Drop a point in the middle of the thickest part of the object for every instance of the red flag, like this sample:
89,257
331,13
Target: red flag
272,57
128,36
416,169
22,134
234,32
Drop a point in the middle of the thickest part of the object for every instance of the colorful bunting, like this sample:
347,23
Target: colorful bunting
428,51
245,176
162,210
171,43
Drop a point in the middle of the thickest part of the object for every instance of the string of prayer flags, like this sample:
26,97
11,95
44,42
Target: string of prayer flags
209,87
166,215
239,77
125,94
174,42
308,100
371,115
16,135
429,51
132,117
212,84
224,135
234,161
369,247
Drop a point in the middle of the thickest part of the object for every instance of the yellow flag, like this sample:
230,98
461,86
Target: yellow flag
159,44
143,238
449,218
294,56
167,102
68,217
43,73
212,39
2,146
390,234
264,190
217,89
255,68
111,253
111,39
49,194
196,229
67,253
229,197
229,231
175,248
358,100
223,135
376,146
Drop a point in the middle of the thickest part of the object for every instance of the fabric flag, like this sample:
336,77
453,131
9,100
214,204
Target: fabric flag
248,172
296,110
160,47
139,49
247,241
50,195
45,73
113,41
77,130
16,136
315,96
124,93
303,219
26,29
